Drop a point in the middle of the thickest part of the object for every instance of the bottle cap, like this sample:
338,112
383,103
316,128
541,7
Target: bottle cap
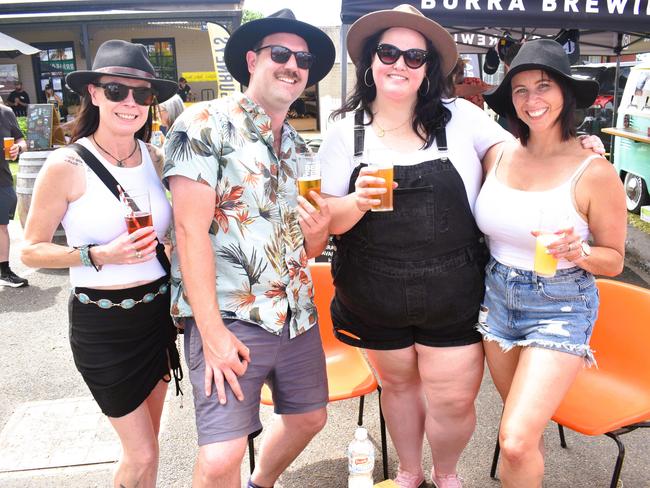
360,434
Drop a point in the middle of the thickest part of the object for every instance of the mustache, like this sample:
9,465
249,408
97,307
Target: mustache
287,73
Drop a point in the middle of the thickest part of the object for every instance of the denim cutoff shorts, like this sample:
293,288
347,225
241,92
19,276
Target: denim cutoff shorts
521,308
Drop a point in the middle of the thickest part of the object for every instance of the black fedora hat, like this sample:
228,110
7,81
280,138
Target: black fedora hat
547,55
126,60
245,37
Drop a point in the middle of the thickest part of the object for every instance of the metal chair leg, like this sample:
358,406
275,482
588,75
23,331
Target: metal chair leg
361,403
619,459
560,429
382,427
495,460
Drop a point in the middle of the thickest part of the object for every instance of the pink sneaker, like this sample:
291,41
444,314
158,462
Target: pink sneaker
404,479
446,480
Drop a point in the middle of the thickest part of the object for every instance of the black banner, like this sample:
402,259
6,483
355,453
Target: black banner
631,16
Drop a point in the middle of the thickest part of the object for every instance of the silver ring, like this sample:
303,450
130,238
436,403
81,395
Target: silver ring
138,254
571,247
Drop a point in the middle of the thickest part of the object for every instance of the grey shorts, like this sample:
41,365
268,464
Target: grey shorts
7,204
293,369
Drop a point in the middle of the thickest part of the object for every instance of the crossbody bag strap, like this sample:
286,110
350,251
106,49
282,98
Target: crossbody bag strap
112,184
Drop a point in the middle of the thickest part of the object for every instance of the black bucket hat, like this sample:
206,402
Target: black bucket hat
126,60
245,37
547,55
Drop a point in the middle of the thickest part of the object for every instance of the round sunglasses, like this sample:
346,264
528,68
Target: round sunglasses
116,92
281,54
413,58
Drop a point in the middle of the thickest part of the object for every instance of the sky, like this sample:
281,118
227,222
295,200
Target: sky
316,12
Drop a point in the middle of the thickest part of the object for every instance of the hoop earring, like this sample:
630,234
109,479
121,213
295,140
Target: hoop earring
428,87
365,78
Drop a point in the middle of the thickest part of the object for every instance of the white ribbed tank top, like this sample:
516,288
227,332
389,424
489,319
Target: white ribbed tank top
507,216
97,218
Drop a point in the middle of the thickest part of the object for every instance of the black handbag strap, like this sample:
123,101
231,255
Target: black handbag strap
112,184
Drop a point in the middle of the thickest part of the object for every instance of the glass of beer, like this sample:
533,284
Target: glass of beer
382,162
549,224
308,176
137,209
8,142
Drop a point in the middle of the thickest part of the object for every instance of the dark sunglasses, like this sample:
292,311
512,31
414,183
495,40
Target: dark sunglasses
413,58
281,54
116,92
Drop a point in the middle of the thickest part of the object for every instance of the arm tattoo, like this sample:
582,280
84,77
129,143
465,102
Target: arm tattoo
157,157
73,159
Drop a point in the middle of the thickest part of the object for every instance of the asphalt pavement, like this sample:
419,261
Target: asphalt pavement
52,435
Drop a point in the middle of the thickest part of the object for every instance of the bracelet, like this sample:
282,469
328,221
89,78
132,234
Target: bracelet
86,258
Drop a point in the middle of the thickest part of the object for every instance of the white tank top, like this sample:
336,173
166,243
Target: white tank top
97,218
507,216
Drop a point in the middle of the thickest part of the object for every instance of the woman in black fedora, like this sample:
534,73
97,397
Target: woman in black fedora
121,332
543,189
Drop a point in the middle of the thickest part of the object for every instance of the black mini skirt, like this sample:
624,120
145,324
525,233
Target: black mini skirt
122,352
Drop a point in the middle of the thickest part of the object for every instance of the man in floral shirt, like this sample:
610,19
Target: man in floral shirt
242,240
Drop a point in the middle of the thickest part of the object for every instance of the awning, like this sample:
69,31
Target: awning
11,48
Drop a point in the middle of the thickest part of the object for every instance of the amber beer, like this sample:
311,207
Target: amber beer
308,166
138,220
385,199
307,184
8,142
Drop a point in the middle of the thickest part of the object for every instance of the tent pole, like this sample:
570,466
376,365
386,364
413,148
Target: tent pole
617,50
344,63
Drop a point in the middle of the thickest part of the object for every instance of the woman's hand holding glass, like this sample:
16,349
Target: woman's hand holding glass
134,248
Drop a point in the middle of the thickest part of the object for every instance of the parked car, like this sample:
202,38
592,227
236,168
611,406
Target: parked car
632,141
600,114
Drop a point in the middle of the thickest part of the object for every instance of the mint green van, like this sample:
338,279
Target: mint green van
632,141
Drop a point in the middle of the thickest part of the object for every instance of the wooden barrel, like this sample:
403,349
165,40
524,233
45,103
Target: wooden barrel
29,164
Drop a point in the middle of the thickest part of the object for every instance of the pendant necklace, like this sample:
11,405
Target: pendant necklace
120,162
382,132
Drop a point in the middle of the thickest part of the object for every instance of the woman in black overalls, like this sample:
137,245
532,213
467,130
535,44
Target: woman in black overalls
409,282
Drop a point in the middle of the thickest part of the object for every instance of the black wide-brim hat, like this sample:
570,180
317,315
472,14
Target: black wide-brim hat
126,60
245,37
547,55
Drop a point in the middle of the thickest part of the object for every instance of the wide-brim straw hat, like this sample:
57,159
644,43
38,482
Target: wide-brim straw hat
547,55
408,17
126,60
245,37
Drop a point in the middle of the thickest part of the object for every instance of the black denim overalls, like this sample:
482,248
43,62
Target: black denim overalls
421,265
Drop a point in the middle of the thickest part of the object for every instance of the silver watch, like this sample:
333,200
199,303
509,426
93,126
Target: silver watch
585,249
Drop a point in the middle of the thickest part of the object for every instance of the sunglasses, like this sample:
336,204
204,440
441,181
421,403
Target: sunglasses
281,54
413,58
116,92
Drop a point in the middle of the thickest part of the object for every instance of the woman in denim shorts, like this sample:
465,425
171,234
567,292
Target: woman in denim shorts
535,328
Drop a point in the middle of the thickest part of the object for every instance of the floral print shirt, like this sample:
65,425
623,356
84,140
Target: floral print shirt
260,259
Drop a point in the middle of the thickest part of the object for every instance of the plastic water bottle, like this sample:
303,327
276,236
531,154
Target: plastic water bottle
157,137
361,460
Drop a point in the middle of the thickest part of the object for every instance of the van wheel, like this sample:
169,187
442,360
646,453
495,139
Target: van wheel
636,192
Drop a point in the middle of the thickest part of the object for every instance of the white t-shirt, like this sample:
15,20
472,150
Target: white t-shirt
470,133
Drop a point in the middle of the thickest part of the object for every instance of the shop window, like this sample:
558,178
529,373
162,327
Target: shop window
51,65
162,54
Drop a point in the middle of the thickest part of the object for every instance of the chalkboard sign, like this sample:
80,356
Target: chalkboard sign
39,126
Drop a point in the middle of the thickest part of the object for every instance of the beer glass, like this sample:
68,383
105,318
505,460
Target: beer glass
382,161
137,209
549,223
308,176
8,142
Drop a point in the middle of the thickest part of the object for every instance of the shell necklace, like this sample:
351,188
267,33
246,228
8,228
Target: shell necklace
120,162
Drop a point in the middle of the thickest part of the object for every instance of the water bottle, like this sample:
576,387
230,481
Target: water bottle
361,460
157,137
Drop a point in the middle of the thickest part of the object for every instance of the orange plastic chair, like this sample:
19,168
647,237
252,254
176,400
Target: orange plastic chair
614,398
348,373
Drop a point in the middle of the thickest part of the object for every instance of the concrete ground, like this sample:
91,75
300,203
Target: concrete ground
53,435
